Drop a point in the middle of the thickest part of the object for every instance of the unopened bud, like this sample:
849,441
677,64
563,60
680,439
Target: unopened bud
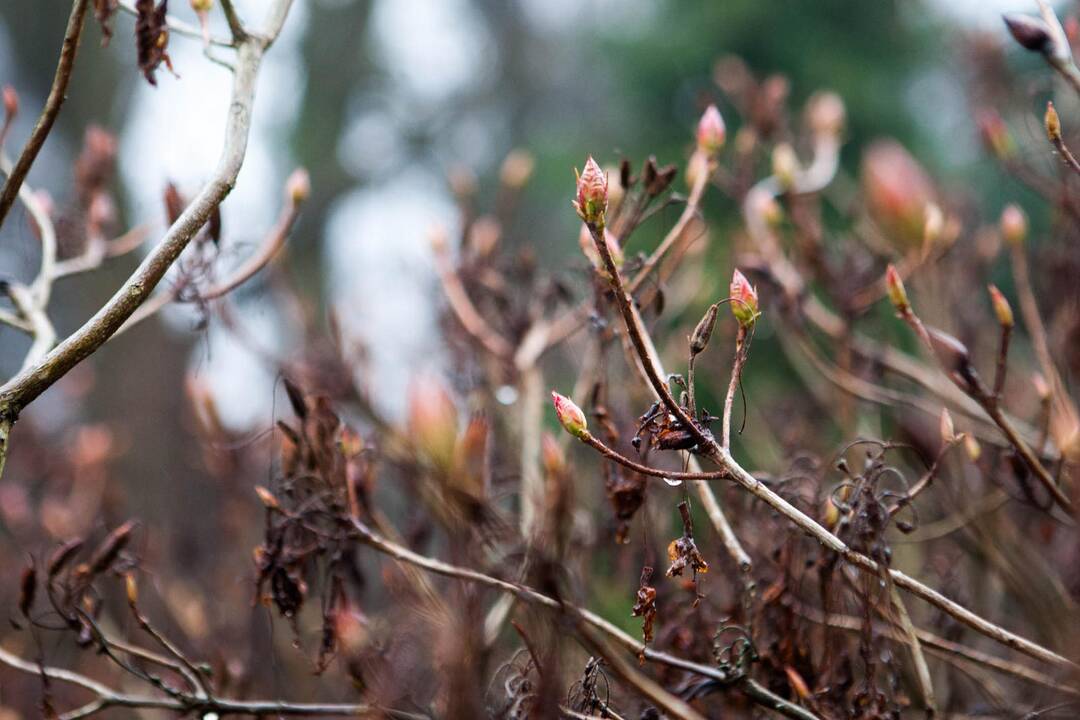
1052,123
700,339
950,352
995,134
132,589
785,165
744,300
761,203
934,225
551,455
517,168
592,194
1001,307
711,131
11,102
972,447
202,6
897,190
267,498
570,416
1030,32
1042,389
894,284
298,186
825,113
432,419
1014,225
948,430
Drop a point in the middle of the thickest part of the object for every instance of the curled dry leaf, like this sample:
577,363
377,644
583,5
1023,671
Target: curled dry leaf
645,608
151,37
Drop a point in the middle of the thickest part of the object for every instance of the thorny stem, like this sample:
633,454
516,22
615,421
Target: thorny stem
57,94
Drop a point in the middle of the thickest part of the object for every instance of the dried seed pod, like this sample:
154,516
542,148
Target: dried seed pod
699,340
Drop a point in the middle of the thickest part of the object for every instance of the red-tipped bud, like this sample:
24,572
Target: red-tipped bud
711,132
897,190
744,300
995,134
570,416
298,186
1052,123
1042,389
1014,225
592,193
11,102
432,420
894,284
1001,307
948,430
551,455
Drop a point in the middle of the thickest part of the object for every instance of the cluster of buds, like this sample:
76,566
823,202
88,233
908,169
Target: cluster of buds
570,416
711,132
592,194
744,300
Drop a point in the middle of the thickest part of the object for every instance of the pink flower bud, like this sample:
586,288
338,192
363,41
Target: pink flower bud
995,134
1014,224
894,284
298,186
1001,307
744,300
570,416
11,102
432,420
592,193
825,114
897,190
711,131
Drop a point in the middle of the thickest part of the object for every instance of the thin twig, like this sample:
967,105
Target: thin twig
57,95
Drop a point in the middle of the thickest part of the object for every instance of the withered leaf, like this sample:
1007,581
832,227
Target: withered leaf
151,37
